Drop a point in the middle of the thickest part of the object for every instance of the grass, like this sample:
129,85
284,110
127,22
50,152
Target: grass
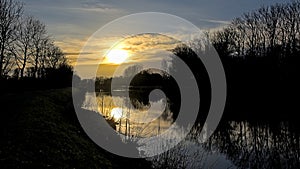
39,129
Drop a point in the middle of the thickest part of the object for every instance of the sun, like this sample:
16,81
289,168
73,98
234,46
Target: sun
116,56
116,113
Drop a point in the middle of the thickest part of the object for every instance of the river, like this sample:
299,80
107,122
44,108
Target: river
235,144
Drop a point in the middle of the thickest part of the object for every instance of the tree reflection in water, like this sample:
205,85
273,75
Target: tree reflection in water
258,144
247,144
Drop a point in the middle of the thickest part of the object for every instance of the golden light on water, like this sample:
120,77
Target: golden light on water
116,113
116,56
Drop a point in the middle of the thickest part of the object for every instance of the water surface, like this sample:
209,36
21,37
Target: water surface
235,144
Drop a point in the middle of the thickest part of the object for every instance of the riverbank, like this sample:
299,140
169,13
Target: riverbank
39,129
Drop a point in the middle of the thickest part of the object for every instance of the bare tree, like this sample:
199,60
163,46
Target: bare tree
39,36
24,43
10,12
55,56
268,31
25,47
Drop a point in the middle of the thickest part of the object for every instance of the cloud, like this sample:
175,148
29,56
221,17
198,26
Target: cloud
72,22
77,53
94,6
148,41
215,21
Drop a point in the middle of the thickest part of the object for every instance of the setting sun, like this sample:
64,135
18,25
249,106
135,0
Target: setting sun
116,56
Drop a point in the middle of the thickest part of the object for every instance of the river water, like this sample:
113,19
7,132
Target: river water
235,144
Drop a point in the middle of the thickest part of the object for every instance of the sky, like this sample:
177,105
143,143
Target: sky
72,22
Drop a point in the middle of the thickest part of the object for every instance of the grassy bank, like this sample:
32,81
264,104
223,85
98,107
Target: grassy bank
39,129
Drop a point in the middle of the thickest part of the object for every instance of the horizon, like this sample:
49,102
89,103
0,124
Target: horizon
73,22
188,86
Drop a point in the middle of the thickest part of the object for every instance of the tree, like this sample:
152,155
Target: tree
55,56
10,12
132,70
24,43
39,36
269,31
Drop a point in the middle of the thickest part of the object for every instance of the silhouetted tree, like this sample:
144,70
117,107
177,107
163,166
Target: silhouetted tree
10,13
260,53
39,37
23,46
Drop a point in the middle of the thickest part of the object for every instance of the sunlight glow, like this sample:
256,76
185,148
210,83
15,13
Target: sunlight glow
116,56
116,113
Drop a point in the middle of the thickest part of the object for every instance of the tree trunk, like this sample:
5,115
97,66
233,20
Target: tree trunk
1,60
24,63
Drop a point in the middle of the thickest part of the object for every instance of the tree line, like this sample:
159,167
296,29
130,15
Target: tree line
270,31
26,49
260,53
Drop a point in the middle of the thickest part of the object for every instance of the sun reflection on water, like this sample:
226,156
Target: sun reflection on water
116,113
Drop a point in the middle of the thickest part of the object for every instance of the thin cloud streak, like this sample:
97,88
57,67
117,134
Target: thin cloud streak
72,22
